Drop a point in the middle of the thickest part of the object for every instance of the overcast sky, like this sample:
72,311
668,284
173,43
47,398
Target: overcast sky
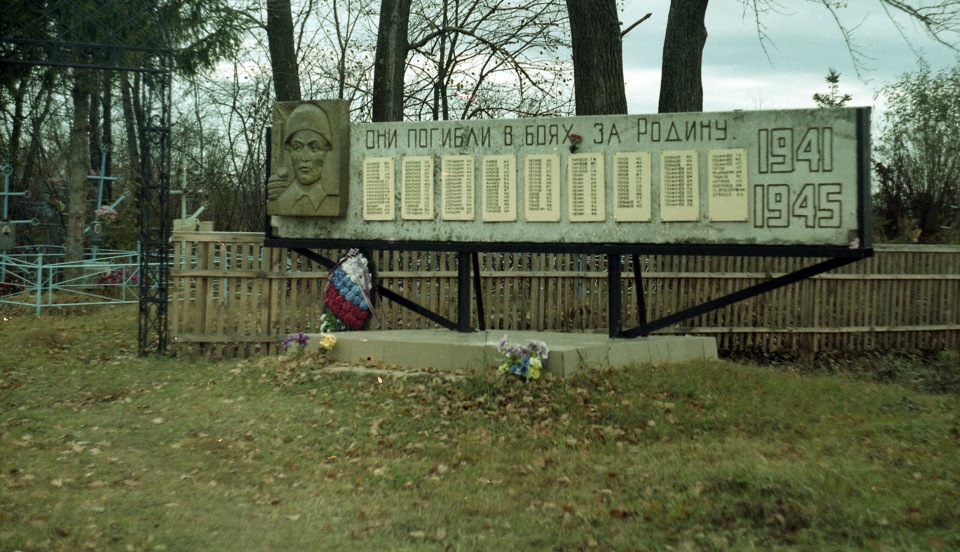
804,43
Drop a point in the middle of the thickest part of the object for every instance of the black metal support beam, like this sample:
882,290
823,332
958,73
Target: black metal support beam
478,291
746,293
614,295
638,289
719,250
463,292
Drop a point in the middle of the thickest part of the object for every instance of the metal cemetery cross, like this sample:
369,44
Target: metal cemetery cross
8,228
101,177
95,229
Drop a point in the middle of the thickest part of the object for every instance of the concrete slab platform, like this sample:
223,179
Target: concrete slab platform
569,353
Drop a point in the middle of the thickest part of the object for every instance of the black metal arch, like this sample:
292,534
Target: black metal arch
114,35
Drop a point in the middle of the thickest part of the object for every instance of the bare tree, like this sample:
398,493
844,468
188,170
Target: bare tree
338,47
458,55
487,58
681,78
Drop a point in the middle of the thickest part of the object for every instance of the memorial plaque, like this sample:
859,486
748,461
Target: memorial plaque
379,188
416,181
541,177
764,179
679,186
727,183
457,187
499,188
586,185
632,187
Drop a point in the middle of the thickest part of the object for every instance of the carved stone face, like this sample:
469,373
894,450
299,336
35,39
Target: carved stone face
307,150
309,157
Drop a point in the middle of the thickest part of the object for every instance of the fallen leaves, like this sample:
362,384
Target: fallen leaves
620,512
439,535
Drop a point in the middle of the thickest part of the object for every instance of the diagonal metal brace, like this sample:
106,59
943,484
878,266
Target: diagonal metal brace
316,257
746,293
384,292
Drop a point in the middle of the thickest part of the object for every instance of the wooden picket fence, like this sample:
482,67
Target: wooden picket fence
233,297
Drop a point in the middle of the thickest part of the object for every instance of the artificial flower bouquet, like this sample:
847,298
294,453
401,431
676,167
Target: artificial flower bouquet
295,344
295,365
327,341
106,214
524,361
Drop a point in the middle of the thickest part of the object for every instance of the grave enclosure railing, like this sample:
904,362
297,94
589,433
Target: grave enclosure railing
39,277
233,297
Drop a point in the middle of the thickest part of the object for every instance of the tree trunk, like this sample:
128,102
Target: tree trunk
597,57
391,60
96,140
130,129
77,171
16,133
283,54
41,110
107,96
681,83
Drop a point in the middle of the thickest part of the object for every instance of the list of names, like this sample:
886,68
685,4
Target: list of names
632,188
416,197
499,185
727,183
542,178
379,175
585,186
457,187
679,189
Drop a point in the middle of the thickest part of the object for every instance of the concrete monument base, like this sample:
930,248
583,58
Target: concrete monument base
448,350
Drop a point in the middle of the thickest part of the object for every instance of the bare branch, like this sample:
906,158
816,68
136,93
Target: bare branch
637,22
857,56
941,19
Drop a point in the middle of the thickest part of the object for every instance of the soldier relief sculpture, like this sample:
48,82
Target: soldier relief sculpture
309,160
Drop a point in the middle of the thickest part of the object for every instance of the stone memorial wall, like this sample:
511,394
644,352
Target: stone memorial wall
769,178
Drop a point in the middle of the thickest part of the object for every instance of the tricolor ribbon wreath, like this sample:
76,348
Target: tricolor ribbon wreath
347,296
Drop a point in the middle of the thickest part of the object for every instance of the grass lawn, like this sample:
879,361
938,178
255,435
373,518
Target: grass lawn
102,450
